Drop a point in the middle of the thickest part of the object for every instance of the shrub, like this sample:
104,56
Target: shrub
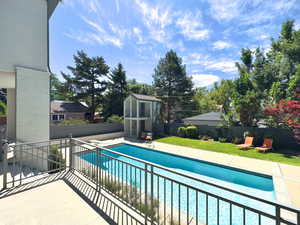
71,122
114,119
222,140
191,131
181,132
248,134
56,161
237,141
268,136
205,138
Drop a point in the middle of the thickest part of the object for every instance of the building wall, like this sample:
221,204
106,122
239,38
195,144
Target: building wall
32,105
58,131
70,116
23,39
75,116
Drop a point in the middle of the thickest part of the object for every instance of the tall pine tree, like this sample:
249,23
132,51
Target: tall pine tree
117,91
172,84
88,80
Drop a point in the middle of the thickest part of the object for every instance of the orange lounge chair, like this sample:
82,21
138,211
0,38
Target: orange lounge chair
248,143
267,145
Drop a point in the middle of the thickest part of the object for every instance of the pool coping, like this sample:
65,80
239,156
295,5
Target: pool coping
199,160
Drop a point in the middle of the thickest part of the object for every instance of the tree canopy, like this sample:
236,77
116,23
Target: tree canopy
172,83
88,80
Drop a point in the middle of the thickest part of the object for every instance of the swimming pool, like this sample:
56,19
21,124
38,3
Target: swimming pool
251,183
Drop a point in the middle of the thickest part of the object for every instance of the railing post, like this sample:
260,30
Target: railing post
146,187
5,163
98,167
278,216
152,183
71,150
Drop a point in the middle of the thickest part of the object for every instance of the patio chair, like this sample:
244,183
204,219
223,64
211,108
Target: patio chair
248,143
267,145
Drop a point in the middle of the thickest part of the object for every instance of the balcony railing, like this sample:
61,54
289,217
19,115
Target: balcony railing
160,195
161,199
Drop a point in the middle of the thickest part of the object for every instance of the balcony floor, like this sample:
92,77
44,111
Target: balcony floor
64,199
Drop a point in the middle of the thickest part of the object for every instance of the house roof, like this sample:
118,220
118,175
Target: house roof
211,116
146,97
68,106
51,6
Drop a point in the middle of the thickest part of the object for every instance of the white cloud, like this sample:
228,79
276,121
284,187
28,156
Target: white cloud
156,19
204,80
225,66
219,45
283,5
208,63
99,35
297,26
138,33
225,10
191,27
260,10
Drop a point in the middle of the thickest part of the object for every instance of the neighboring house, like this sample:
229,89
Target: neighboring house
24,66
209,119
67,110
141,113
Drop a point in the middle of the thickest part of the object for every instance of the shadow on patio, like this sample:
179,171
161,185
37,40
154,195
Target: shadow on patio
64,198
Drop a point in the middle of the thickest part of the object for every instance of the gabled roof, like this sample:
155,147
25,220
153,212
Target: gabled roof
67,106
145,97
211,116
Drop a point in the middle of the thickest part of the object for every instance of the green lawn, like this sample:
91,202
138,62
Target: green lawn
232,149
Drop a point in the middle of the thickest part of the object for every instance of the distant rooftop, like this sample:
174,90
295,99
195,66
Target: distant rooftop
67,106
145,97
211,116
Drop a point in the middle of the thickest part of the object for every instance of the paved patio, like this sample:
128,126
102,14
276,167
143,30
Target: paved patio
63,199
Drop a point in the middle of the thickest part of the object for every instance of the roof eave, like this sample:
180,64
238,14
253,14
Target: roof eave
51,7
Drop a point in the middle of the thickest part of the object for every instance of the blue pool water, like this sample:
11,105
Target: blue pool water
253,184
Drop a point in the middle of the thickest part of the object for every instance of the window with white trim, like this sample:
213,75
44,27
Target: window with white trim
57,117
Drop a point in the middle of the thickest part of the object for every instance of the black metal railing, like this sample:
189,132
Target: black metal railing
24,161
165,196
159,194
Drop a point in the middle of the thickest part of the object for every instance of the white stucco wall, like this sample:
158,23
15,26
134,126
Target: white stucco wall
32,105
23,39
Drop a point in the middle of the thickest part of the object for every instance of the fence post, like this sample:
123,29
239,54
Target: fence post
5,163
71,150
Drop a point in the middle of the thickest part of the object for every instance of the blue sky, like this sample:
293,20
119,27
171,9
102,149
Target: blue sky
208,34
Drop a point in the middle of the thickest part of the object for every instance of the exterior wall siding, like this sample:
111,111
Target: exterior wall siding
23,39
